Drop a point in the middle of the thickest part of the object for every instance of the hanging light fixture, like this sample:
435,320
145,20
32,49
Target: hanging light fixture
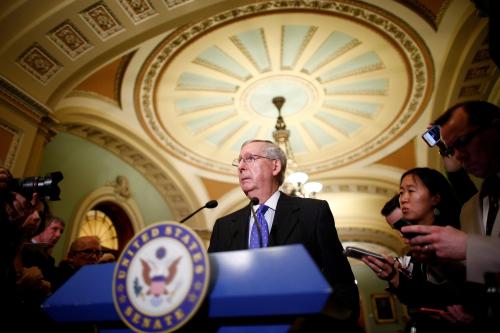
296,182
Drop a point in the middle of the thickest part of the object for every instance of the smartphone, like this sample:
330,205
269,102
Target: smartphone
432,136
402,223
358,253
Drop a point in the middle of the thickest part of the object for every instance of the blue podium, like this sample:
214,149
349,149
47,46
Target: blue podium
259,290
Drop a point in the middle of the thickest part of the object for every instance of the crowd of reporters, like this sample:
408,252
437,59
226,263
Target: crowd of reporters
451,270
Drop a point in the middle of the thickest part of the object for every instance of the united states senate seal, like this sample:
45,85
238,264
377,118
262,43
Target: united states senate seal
161,278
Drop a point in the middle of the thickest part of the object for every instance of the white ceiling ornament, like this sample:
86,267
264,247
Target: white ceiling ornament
350,91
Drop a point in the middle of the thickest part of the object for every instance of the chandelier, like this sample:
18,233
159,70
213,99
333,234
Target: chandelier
296,182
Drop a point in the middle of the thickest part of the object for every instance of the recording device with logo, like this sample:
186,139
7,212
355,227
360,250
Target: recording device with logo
358,253
433,138
46,187
402,223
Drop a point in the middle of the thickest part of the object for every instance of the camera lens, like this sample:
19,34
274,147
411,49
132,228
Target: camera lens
46,187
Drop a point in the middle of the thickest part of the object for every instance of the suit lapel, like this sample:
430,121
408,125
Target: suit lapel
471,216
239,232
496,227
285,219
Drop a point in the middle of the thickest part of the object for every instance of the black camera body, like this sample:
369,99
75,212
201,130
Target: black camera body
46,187
402,223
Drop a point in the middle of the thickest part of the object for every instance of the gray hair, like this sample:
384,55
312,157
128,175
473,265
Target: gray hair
273,151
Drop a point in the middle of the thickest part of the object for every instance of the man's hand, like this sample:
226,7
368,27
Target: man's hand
451,164
385,269
18,208
458,314
441,242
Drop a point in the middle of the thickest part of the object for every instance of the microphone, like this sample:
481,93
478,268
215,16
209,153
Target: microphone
255,201
210,204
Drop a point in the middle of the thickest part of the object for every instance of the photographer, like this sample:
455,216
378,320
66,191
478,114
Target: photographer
22,215
14,206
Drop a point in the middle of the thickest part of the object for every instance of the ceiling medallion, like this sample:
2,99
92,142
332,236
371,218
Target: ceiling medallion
353,75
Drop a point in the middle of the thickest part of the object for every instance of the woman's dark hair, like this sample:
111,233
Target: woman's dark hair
449,206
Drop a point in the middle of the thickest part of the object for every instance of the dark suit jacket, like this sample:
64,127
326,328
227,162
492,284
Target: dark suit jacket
297,221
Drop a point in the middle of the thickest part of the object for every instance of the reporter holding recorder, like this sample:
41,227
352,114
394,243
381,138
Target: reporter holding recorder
471,130
426,198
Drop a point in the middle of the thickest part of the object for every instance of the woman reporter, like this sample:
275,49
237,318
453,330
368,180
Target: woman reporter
434,304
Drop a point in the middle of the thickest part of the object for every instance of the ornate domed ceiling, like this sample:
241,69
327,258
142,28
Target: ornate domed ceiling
173,87
352,75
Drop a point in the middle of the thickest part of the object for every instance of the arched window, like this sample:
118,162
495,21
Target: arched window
97,223
110,213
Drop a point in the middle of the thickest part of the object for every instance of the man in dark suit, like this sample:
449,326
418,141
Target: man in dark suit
39,252
291,220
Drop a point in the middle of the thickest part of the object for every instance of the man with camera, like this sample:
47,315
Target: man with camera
14,206
22,215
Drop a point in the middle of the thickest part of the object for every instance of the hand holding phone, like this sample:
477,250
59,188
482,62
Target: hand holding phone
402,223
358,253
432,137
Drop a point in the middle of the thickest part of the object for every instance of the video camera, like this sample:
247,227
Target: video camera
46,187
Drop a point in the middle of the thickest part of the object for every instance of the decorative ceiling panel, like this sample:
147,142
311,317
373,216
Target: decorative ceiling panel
138,10
102,20
69,40
39,63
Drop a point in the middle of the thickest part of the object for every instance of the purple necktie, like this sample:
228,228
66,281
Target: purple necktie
254,236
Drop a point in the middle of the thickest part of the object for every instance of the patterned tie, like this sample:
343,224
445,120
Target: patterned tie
254,236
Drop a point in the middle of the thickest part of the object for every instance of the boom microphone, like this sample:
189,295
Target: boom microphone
210,204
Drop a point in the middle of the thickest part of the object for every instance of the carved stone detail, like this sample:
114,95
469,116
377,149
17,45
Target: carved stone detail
121,187
138,10
102,20
69,39
39,63
167,188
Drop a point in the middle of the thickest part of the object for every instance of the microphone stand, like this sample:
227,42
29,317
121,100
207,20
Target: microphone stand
255,201
210,204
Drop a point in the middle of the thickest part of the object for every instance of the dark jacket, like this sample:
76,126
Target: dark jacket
298,221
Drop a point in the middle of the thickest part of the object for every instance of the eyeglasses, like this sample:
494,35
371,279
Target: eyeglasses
90,252
248,160
464,140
